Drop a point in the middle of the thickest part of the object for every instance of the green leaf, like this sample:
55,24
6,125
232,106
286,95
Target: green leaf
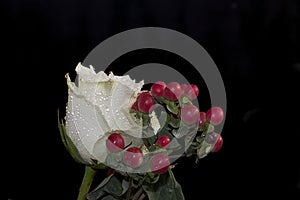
199,139
109,197
165,188
104,182
98,191
154,147
190,151
210,128
206,128
172,107
152,177
160,100
175,123
185,100
165,132
133,175
68,142
204,149
146,119
139,115
149,136
125,186
110,185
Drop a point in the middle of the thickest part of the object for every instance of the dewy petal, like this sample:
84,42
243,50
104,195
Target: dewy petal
130,83
85,123
89,75
113,95
103,97
96,89
88,82
123,92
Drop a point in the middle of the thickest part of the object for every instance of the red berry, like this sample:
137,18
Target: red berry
202,119
215,115
159,163
157,89
191,91
190,114
135,106
133,157
163,141
219,143
195,88
173,91
115,142
141,95
146,103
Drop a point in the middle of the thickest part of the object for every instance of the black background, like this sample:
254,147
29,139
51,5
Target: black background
255,45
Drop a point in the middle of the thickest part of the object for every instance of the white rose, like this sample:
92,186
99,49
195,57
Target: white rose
97,105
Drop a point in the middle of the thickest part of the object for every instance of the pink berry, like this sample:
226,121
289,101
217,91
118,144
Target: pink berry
115,142
163,141
190,114
173,91
159,163
184,86
157,89
191,91
133,157
215,115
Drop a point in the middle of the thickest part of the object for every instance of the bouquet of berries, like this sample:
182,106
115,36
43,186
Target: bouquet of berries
135,135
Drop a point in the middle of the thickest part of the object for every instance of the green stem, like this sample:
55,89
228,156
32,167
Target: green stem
87,180
129,189
137,194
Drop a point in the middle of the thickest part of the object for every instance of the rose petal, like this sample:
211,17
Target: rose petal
97,89
85,122
88,75
123,91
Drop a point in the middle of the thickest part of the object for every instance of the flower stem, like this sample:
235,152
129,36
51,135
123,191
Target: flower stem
137,194
87,180
129,189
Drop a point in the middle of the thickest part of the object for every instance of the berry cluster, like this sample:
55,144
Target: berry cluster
179,119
